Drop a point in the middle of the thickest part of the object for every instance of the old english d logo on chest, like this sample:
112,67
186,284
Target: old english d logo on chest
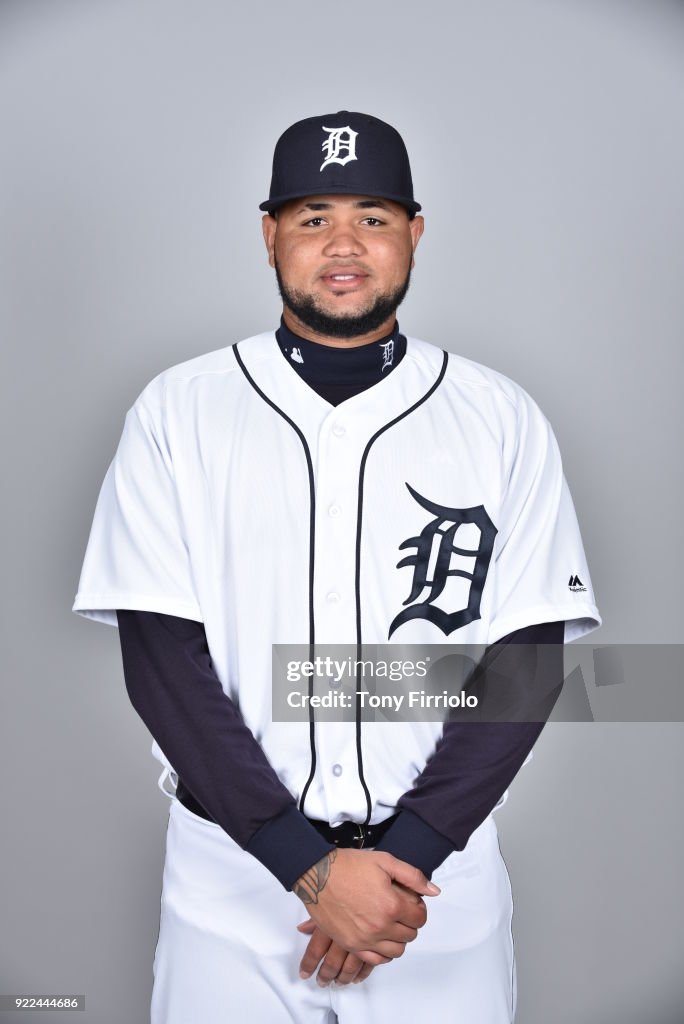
435,550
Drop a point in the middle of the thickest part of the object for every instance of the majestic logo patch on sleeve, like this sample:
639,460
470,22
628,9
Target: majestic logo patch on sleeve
436,562
576,585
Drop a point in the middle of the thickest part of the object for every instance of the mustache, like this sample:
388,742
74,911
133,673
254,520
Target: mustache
341,266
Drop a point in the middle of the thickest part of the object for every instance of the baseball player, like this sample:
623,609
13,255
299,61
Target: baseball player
332,481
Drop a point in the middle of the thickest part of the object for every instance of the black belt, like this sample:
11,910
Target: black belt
187,799
349,833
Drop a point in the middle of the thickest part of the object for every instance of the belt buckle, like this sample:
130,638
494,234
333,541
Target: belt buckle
360,838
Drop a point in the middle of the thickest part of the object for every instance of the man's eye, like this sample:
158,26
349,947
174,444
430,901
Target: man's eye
316,221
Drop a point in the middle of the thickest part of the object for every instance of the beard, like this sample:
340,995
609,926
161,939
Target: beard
346,325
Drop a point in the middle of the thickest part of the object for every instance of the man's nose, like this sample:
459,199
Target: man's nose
343,241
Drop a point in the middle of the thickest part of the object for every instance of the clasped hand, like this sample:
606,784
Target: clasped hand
364,906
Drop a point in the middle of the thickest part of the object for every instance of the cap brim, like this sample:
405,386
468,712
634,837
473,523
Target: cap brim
269,205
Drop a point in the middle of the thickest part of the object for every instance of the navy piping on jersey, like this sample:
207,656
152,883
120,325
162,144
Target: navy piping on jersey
312,527
364,457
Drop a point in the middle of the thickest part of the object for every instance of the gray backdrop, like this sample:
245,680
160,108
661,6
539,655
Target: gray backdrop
546,142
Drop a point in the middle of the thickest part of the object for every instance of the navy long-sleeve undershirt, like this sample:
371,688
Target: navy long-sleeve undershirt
174,688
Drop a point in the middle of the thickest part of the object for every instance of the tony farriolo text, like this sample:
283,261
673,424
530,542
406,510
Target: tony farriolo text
393,701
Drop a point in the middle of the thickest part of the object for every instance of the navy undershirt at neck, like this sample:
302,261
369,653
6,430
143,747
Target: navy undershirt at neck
339,373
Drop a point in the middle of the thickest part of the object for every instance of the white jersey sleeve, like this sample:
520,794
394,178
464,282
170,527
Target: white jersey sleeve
541,570
136,556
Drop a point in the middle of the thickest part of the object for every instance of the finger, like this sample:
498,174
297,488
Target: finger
409,908
413,912
307,927
318,946
389,949
372,959
395,932
349,969
363,973
408,875
413,915
403,933
382,952
412,896
332,964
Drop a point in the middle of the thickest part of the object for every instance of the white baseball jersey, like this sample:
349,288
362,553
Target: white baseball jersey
430,508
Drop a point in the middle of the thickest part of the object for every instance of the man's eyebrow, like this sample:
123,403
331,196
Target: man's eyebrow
315,206
368,204
363,204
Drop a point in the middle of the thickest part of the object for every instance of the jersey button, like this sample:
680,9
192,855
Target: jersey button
334,511
333,597
338,430
337,769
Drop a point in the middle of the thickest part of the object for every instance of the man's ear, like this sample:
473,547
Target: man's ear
269,226
416,227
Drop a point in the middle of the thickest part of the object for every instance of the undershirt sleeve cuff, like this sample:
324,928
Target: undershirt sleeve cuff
288,845
411,839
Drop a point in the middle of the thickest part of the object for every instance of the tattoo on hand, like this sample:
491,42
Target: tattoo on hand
313,881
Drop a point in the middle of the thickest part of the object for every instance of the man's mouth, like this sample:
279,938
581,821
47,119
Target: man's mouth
341,280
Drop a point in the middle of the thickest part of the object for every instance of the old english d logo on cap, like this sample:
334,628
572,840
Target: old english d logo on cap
348,153
340,140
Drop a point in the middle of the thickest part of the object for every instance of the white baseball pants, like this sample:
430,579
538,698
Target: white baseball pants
228,950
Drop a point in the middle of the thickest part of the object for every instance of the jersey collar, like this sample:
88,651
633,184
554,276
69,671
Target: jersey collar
369,410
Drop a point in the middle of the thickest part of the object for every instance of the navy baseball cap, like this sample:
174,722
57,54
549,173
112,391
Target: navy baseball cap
346,152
